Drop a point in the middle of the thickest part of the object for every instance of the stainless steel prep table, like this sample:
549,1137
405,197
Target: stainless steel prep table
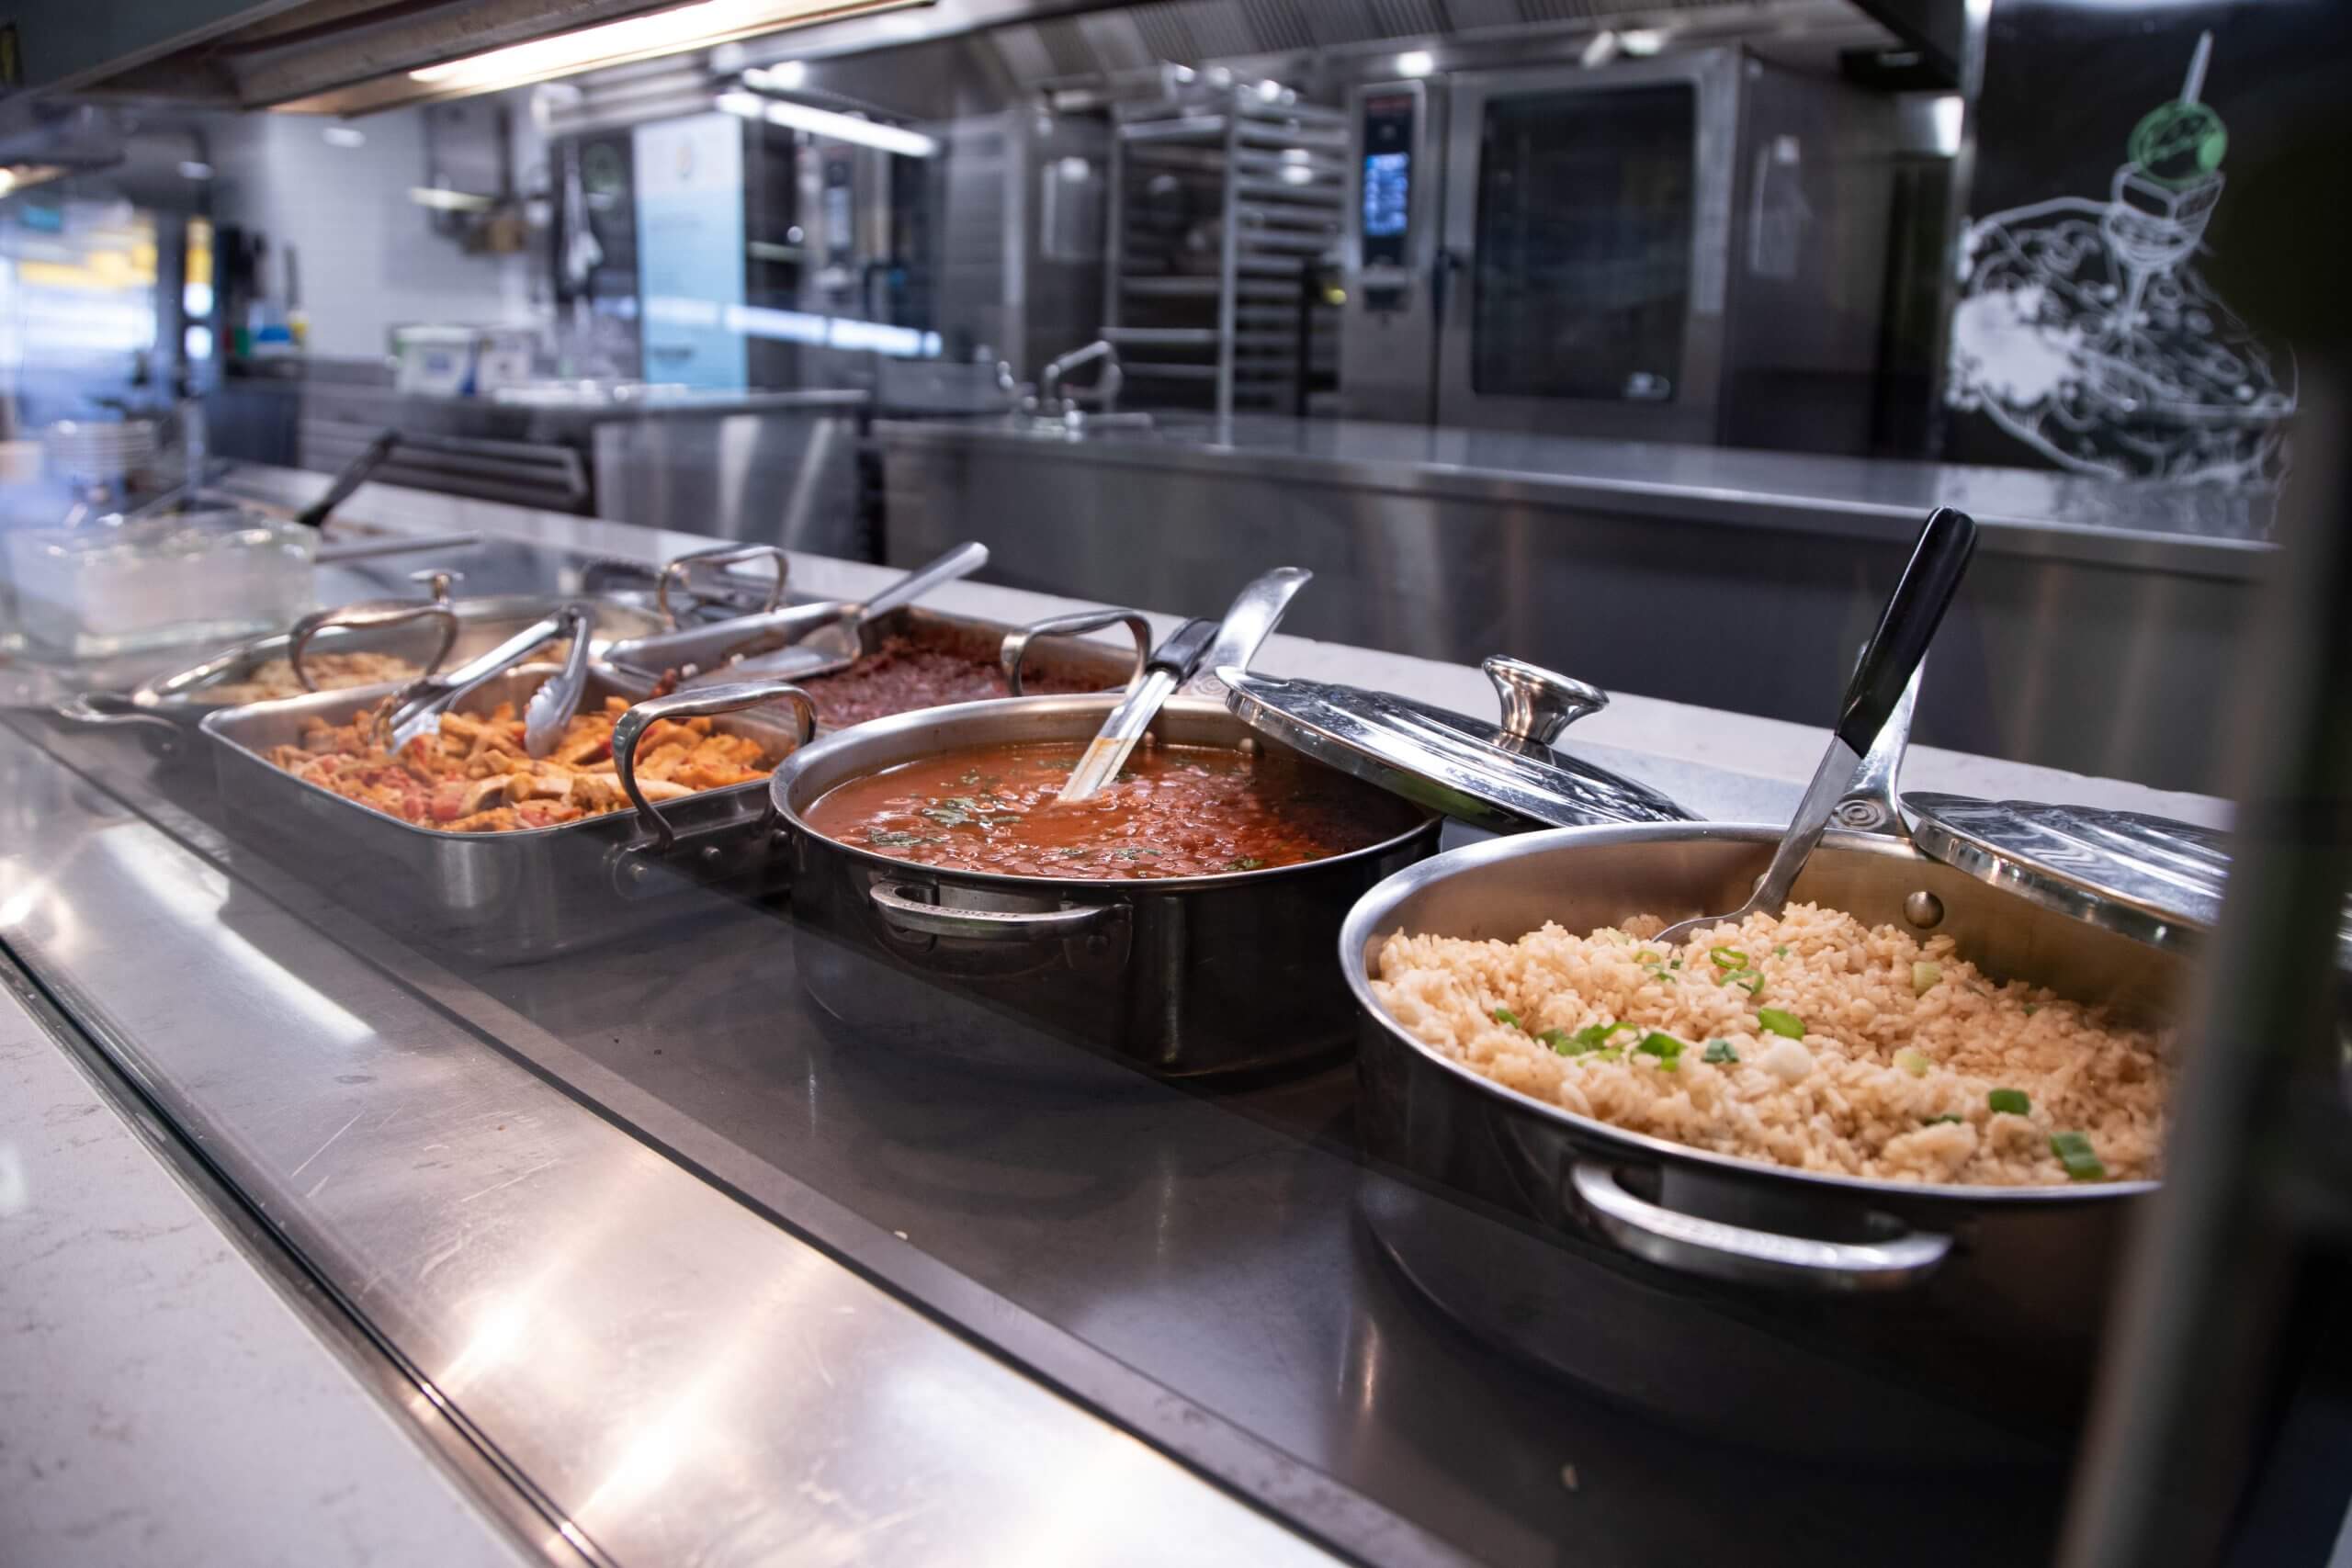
700,1273
2097,625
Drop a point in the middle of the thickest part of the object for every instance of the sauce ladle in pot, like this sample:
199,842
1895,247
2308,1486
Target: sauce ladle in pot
1873,696
1196,645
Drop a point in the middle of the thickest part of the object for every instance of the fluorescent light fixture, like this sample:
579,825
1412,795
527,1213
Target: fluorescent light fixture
826,123
442,201
195,169
344,136
1946,113
1599,50
673,31
792,326
25,175
1642,42
1416,62
784,77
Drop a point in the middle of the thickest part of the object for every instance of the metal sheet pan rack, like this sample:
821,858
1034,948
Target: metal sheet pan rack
1222,202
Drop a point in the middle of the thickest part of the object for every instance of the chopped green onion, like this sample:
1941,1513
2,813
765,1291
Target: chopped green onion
1558,1040
1614,1054
1933,1120
1593,1036
1677,964
1663,1046
1752,984
2012,1100
1781,952
1923,976
2032,1007
1912,1062
1504,1015
2074,1152
1780,1023
1728,957
1720,1052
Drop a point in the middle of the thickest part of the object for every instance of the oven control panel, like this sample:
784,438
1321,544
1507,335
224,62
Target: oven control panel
1388,139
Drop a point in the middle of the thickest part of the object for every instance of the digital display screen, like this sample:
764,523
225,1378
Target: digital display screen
1388,193
1385,209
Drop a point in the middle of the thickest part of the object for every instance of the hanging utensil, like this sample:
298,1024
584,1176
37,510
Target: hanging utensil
1905,628
837,644
416,710
1226,644
354,474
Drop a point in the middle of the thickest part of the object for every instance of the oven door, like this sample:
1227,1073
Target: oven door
1587,238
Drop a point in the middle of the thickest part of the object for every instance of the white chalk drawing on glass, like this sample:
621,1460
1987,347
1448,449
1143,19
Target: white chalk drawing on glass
2085,330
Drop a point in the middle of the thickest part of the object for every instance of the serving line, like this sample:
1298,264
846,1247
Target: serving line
1744,768
671,1375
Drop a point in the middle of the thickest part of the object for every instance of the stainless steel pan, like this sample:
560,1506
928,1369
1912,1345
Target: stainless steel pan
1923,1276
1183,976
505,897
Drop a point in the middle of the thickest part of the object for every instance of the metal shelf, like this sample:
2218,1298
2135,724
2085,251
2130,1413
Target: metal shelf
1280,173
1163,337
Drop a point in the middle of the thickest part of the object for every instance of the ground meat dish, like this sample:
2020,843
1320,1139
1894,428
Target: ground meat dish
1173,811
475,777
904,675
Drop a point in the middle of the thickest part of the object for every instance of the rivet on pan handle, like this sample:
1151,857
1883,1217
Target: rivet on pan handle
700,703
1016,644
373,615
678,567
1691,1245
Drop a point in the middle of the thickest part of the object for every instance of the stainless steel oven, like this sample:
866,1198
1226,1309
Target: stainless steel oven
1643,250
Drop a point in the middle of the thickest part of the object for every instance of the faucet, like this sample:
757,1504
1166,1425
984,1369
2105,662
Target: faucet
1103,394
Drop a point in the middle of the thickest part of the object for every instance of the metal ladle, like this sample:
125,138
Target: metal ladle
1873,696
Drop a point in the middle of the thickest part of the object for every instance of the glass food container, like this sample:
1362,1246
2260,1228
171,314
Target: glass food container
117,585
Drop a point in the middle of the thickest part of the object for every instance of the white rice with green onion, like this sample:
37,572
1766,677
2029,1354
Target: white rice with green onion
1808,1041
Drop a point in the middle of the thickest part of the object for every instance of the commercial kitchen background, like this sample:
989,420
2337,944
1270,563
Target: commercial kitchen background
1633,340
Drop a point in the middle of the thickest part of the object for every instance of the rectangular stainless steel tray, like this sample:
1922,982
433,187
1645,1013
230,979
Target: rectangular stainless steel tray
482,624
505,897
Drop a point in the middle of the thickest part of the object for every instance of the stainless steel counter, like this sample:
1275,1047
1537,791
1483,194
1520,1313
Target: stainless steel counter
693,1270
778,466
2097,628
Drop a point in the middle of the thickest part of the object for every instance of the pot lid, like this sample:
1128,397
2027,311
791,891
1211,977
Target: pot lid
2147,877
1501,777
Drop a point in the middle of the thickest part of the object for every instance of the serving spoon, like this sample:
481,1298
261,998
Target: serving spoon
1196,645
836,645
1938,560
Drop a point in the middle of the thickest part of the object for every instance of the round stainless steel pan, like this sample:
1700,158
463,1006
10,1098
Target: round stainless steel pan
1924,1266
1183,976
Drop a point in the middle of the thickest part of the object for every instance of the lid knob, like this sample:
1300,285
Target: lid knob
437,581
1537,705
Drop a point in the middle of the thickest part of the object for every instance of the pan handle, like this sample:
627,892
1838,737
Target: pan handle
1691,1244
1016,644
699,703
366,616
916,918
678,566
112,709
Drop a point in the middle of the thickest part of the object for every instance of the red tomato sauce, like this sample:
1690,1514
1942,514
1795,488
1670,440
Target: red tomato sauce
1173,811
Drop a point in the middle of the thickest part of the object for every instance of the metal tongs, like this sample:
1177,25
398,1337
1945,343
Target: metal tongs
1879,694
1194,645
836,644
416,710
